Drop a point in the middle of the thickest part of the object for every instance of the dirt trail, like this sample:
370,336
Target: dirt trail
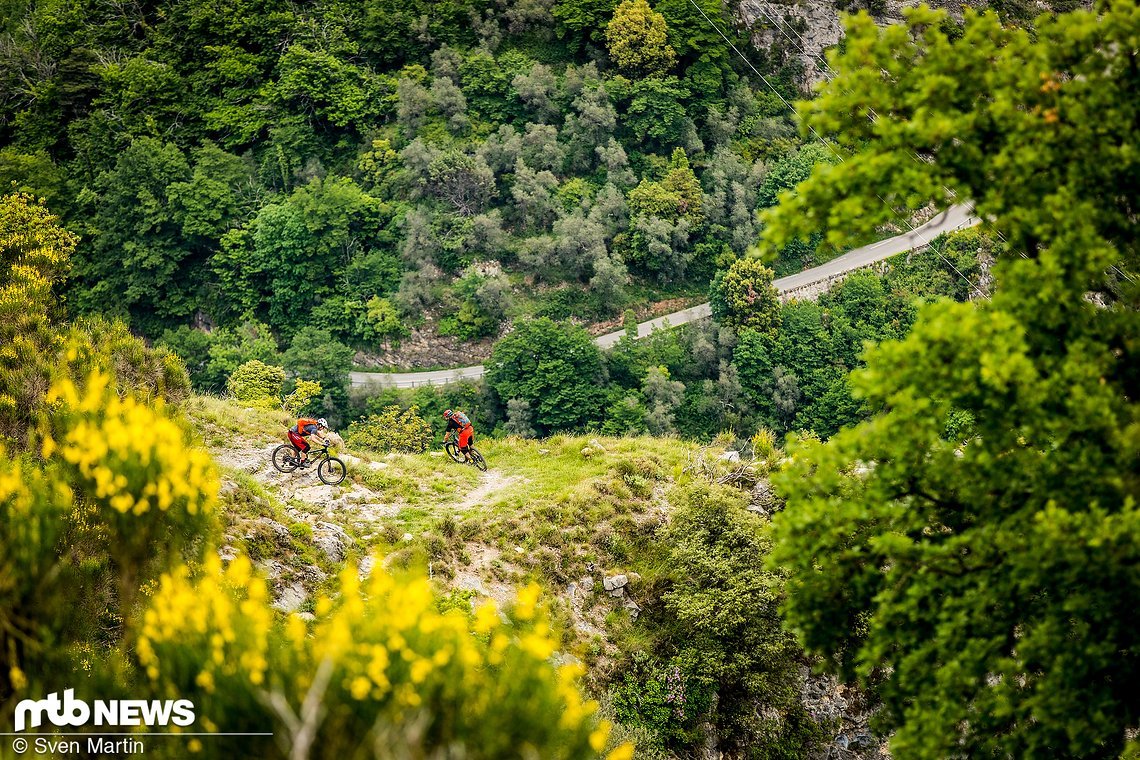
490,483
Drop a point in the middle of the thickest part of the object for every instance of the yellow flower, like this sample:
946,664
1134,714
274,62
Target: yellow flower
360,687
599,736
622,752
205,679
527,602
486,617
420,670
537,646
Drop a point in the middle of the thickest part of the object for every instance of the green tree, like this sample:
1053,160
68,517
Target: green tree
985,589
662,399
392,429
139,264
314,354
555,367
625,416
35,174
486,299
720,632
325,88
656,112
790,171
636,37
382,321
301,250
702,53
743,297
583,20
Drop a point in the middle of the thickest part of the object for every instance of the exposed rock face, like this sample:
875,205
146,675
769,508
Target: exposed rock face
828,700
332,540
807,28
290,598
425,348
764,500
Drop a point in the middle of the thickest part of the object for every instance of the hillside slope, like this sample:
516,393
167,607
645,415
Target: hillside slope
586,517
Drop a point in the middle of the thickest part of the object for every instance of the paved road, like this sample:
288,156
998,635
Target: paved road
955,217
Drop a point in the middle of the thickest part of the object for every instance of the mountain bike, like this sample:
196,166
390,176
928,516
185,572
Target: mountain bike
330,470
476,459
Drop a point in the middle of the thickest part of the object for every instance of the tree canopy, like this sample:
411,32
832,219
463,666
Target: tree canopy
980,577
554,367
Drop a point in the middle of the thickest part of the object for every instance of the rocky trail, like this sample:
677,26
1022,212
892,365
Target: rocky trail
335,522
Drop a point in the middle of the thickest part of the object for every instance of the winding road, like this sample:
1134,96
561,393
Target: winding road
954,218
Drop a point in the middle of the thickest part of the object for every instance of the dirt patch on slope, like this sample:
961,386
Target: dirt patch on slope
491,483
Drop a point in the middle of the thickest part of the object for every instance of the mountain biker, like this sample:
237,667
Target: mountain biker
459,421
307,427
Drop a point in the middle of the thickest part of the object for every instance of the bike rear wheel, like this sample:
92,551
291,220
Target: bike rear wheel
332,471
285,458
478,460
453,451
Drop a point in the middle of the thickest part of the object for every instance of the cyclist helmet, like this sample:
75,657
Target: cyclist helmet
322,422
448,414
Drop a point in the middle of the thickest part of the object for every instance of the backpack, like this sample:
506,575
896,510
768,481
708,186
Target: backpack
303,423
461,420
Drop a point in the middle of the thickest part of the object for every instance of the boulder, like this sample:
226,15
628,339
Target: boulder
290,598
332,541
615,582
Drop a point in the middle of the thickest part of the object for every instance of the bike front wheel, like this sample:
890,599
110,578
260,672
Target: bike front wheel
478,460
453,451
285,458
332,471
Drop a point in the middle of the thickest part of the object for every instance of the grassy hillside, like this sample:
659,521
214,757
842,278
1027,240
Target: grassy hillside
571,513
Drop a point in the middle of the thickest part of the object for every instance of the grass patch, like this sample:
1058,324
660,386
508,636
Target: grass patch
219,420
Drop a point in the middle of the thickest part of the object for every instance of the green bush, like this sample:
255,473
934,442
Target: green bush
303,393
663,697
719,649
556,368
391,430
257,384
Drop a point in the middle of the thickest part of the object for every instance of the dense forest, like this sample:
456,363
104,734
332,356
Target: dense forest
318,167
297,184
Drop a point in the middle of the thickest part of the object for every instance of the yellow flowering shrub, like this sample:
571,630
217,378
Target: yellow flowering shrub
146,372
145,492
117,496
379,672
33,513
34,252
